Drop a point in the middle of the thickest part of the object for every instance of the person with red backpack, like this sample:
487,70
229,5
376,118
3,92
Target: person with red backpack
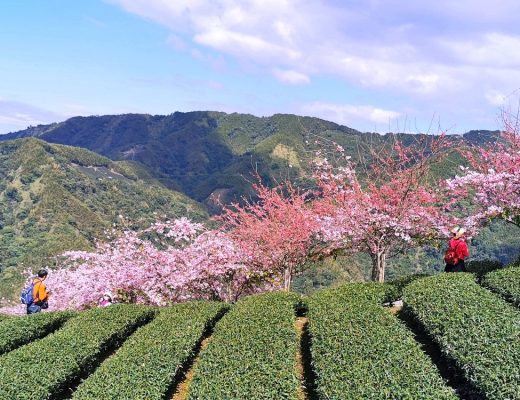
457,251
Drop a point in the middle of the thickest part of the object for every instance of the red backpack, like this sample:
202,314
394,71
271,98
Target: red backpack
451,255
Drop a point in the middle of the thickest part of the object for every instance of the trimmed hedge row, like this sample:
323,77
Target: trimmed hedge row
360,351
473,327
4,317
45,368
505,282
395,288
15,332
252,354
145,366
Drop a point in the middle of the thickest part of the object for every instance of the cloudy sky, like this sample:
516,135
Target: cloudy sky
374,65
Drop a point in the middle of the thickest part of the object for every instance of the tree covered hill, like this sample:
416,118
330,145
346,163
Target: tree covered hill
55,198
204,153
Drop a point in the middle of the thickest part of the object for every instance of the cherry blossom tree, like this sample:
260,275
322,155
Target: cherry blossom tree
168,262
276,233
492,181
392,208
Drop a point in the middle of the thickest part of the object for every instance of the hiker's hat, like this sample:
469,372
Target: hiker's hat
459,233
455,230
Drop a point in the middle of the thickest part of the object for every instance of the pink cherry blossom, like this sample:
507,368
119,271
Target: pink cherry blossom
390,210
493,181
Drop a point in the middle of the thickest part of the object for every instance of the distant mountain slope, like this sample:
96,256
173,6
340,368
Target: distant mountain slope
207,154
197,152
55,198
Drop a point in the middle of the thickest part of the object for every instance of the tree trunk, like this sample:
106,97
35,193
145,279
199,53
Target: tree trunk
287,279
378,266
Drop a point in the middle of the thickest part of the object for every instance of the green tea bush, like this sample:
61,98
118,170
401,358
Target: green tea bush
5,317
148,362
15,332
252,354
45,368
505,282
395,288
476,329
360,351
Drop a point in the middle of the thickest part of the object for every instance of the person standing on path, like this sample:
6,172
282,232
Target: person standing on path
457,251
40,294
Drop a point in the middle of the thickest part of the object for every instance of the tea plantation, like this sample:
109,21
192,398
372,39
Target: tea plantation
456,337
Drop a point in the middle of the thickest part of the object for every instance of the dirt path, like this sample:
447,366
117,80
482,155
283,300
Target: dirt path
307,390
394,310
184,386
300,324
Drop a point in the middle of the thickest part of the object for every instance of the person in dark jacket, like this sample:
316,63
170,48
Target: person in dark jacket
457,251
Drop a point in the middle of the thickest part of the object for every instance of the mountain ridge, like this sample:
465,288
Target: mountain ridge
206,153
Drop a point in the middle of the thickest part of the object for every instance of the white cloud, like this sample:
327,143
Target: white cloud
243,44
345,114
291,77
493,49
15,115
422,49
495,98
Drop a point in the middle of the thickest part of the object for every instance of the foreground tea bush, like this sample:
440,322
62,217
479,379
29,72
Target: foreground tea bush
17,331
395,288
252,354
361,351
4,317
505,282
476,329
45,368
145,366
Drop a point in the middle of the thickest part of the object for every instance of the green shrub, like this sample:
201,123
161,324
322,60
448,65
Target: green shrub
505,282
252,354
45,368
482,267
18,331
360,351
5,317
145,366
477,330
371,291
396,287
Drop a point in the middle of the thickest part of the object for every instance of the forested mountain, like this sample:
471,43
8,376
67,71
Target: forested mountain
210,154
200,153
55,198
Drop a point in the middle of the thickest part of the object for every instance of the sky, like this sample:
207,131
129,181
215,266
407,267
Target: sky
373,65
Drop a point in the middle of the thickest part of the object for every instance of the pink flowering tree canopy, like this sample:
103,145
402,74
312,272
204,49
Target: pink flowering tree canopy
492,181
276,233
390,210
168,262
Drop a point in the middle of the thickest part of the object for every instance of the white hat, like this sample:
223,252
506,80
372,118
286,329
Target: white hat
459,233
455,230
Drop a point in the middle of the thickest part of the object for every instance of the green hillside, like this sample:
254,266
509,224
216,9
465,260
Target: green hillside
203,153
452,338
55,198
200,152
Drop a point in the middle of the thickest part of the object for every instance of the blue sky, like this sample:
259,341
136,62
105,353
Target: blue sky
374,65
